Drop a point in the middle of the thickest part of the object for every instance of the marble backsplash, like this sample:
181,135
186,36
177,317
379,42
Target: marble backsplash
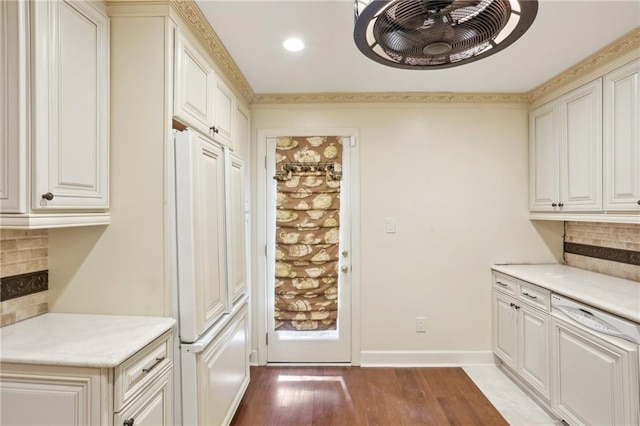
608,248
23,274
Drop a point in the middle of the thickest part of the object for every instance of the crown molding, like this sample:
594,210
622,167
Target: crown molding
619,47
198,24
388,97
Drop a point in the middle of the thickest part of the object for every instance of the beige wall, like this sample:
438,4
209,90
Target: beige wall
22,252
120,268
455,178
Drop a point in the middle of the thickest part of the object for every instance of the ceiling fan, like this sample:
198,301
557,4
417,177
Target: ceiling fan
434,34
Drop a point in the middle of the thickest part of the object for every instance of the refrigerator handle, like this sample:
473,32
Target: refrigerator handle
192,348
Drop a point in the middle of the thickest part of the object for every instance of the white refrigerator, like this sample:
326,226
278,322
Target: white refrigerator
211,291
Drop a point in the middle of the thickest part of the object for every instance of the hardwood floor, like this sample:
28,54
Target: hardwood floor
363,396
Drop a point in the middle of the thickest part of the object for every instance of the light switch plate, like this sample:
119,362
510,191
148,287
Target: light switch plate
390,225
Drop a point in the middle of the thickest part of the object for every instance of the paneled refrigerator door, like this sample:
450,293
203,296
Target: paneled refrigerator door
200,226
215,371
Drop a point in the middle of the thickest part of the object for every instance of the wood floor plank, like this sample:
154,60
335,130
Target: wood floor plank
353,396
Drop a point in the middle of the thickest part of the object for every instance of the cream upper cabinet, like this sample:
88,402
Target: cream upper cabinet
544,158
57,128
622,138
201,99
193,88
565,152
581,149
223,118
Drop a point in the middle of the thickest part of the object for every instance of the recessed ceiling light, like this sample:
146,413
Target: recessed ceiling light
293,44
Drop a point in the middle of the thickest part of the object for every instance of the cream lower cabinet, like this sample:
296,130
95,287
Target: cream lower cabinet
521,326
55,109
592,378
137,392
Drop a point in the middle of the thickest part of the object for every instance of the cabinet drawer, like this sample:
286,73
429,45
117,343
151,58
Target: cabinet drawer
133,375
505,283
154,406
535,296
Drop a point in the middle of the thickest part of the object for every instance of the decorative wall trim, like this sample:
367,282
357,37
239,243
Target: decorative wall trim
23,285
425,358
389,97
612,254
619,47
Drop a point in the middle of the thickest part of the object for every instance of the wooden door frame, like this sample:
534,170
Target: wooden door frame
259,297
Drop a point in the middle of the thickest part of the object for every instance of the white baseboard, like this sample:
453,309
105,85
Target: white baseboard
425,358
253,358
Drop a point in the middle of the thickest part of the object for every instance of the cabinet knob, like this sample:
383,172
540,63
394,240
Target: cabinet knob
47,196
129,422
214,129
554,205
560,205
639,202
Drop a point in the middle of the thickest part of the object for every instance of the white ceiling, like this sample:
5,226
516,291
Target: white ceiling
564,33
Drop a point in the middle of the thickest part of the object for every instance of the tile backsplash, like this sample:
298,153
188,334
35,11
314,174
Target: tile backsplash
23,274
608,248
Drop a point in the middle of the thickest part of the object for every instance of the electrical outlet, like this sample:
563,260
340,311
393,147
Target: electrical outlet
421,325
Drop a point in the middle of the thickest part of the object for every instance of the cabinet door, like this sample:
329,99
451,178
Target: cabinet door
592,378
533,348
225,105
622,138
200,200
12,153
47,395
236,224
504,329
581,148
154,407
194,86
544,158
70,87
223,373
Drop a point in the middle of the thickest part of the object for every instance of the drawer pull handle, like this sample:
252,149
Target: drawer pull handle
529,295
129,422
501,283
147,370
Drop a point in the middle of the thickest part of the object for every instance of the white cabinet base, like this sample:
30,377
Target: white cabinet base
592,383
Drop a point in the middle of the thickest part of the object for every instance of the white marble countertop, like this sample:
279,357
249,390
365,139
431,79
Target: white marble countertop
79,340
614,295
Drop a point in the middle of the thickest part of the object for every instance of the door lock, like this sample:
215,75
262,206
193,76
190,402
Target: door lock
345,269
